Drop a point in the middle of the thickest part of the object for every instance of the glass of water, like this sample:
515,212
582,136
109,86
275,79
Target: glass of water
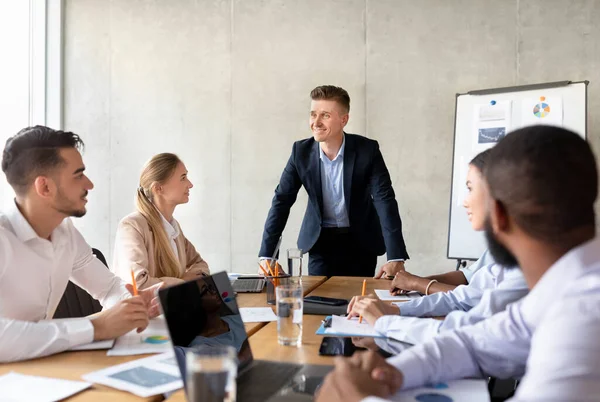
211,373
294,257
289,313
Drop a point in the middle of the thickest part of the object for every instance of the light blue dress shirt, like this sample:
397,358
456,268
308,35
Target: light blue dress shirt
485,259
492,288
332,185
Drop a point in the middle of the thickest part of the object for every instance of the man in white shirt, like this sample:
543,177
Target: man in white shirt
40,250
545,221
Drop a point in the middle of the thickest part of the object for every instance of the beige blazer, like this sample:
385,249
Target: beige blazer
134,248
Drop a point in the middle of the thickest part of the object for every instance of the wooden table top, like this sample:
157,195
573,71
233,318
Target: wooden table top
72,365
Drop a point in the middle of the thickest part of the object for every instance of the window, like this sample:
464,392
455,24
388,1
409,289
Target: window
30,71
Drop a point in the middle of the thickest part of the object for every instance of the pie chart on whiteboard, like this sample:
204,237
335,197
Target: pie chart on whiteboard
541,110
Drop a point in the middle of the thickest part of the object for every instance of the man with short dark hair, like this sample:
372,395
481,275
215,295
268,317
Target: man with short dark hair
352,214
543,183
40,250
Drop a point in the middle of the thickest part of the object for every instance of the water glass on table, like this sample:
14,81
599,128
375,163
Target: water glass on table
289,313
272,283
211,374
294,257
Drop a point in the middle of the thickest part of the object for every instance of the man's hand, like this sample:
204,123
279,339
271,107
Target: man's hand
404,282
390,269
372,309
149,297
352,379
273,264
118,320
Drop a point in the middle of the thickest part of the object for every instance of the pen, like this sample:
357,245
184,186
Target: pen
364,288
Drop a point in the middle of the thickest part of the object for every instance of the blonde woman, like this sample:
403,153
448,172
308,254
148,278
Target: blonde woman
150,240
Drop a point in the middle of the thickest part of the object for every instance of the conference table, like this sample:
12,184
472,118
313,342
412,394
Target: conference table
262,337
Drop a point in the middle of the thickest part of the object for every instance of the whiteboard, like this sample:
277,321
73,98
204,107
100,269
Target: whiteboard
482,117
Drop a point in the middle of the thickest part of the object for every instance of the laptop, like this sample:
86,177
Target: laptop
196,313
248,284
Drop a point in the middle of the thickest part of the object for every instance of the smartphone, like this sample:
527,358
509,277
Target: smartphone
331,346
330,301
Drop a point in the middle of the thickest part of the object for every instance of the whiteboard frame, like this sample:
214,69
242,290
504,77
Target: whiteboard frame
491,91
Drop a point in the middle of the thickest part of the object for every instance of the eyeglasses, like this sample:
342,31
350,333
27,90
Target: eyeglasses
208,288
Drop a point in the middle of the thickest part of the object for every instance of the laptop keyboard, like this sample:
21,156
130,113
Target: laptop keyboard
248,285
264,379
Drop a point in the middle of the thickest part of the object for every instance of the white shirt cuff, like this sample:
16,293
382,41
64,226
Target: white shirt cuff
411,366
374,399
80,331
398,259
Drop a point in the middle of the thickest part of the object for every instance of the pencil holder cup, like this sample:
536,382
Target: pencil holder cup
272,283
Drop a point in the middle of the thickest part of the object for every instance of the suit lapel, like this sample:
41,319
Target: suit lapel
349,157
315,174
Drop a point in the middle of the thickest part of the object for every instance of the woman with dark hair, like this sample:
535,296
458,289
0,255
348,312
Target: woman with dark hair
490,289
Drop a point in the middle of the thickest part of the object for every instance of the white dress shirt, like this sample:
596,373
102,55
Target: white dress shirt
34,273
491,289
550,336
172,229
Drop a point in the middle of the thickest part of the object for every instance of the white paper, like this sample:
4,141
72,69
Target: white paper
95,345
154,339
492,122
542,110
452,391
143,377
385,295
344,326
257,314
17,387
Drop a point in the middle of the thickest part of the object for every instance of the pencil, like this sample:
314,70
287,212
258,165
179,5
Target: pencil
269,266
364,289
265,272
133,283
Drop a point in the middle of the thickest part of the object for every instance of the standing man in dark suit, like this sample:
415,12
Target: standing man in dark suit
352,215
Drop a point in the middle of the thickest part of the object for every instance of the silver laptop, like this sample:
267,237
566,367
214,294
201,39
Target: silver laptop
197,308
248,284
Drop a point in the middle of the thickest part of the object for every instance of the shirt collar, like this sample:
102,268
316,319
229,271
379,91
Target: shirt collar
20,225
554,283
340,153
172,228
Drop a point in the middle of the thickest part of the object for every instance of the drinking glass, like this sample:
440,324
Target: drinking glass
294,257
289,313
211,374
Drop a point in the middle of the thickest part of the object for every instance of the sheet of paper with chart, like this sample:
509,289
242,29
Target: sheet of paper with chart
385,295
17,387
451,391
154,339
143,377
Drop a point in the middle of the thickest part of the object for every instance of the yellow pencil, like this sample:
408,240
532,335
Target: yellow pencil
364,289
133,283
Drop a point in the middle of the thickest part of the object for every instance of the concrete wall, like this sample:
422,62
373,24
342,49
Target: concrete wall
225,84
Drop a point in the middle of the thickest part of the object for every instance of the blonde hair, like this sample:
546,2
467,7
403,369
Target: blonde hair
156,171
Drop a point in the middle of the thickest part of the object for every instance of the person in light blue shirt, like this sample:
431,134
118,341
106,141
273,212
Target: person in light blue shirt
491,288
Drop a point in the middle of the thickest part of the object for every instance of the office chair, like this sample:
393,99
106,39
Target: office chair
76,302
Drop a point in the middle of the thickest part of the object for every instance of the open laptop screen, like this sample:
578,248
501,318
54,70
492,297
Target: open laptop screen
205,312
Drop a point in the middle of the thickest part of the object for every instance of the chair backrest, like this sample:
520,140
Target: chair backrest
76,302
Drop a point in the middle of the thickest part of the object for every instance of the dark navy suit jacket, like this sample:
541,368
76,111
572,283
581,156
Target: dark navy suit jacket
370,200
